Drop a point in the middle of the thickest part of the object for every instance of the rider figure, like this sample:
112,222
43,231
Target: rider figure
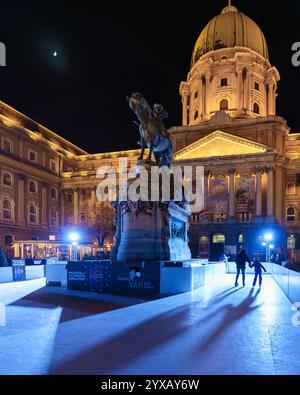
160,114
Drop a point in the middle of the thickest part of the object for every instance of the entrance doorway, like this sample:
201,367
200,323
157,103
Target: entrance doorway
218,246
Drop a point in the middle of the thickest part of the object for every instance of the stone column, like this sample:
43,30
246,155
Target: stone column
270,192
44,203
184,109
203,92
279,196
21,199
271,98
62,208
246,91
207,94
200,98
232,173
76,206
259,173
239,96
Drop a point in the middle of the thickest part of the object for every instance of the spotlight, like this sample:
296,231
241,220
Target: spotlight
74,237
268,236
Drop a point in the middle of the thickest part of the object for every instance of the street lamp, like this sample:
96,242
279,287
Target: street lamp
268,237
74,240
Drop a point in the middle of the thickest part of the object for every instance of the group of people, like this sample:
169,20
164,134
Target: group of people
241,262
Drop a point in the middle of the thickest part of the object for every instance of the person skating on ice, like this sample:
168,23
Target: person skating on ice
258,267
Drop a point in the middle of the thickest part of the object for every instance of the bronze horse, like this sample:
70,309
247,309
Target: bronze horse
153,132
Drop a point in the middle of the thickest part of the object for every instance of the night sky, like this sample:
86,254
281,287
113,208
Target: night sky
107,52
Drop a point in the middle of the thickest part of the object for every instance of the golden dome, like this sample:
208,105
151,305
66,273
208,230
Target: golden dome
230,29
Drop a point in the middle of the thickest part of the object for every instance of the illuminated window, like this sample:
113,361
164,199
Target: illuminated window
291,243
33,214
219,238
256,108
7,209
32,187
224,82
32,156
7,179
53,193
224,104
196,115
290,214
241,238
6,145
291,189
256,86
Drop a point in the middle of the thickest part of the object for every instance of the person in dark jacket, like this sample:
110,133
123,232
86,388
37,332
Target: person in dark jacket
241,260
258,267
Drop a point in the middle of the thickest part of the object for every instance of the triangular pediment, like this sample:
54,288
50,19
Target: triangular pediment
218,144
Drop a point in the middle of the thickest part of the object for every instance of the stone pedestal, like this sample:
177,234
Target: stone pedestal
153,231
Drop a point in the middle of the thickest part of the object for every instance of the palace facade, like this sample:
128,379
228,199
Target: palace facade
229,125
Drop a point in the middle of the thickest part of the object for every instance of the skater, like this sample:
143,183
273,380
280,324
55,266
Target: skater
241,260
258,271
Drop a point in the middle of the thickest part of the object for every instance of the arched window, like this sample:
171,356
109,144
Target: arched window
53,217
7,180
256,86
32,187
241,238
224,81
224,104
82,218
70,198
33,214
196,95
196,115
291,189
256,108
7,209
291,243
219,238
53,193
290,214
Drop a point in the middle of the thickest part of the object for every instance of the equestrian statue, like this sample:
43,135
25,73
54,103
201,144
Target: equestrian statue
153,132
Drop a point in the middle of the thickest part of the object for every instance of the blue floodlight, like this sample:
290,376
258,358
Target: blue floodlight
264,244
74,237
268,237
271,246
